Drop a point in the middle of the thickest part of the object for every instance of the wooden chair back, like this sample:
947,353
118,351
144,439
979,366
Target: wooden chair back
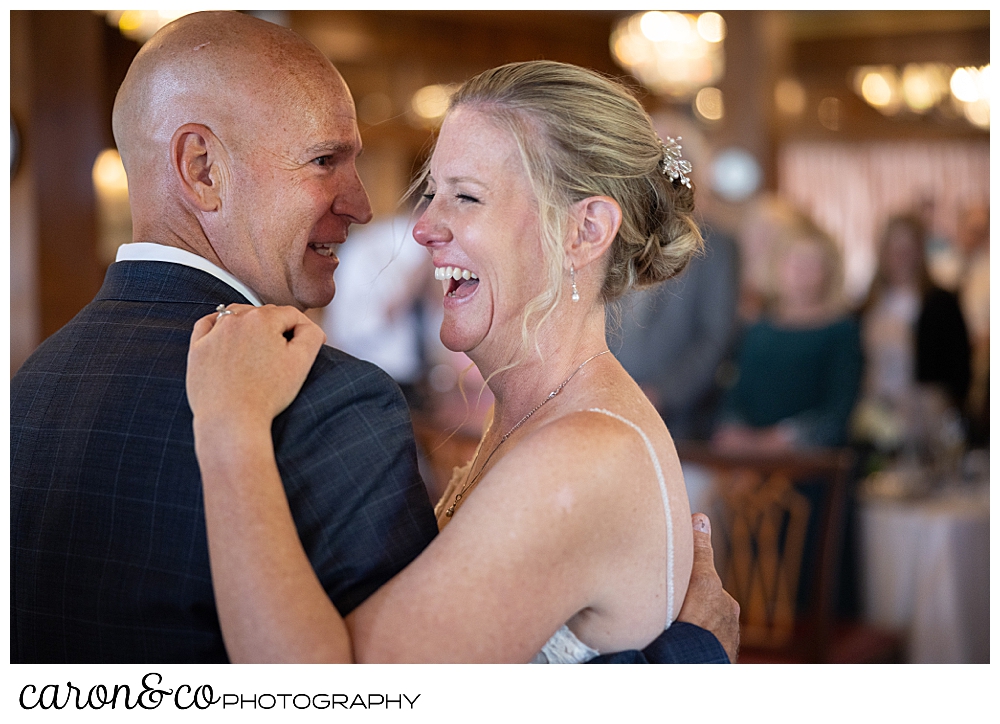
760,533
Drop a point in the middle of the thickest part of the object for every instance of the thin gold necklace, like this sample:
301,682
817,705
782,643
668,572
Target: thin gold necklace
461,493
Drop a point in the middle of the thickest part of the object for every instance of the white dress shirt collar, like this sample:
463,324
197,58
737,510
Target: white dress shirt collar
148,251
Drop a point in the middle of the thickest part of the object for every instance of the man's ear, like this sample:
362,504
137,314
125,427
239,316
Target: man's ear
596,221
195,155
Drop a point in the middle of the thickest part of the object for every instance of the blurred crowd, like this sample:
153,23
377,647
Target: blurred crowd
753,347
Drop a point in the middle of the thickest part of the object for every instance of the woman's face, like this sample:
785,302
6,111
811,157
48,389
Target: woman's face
480,218
901,257
802,274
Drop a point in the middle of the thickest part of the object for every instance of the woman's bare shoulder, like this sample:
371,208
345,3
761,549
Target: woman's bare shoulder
603,429
586,448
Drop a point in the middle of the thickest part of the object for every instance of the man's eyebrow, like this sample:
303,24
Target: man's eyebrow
334,148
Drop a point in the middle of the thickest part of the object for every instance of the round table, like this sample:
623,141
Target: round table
926,570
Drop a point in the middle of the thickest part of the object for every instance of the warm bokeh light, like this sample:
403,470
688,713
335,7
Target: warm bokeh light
978,113
971,89
986,81
708,104
130,21
923,87
829,113
108,172
963,85
114,218
790,97
431,102
712,27
140,25
654,26
971,84
668,51
876,90
666,27
880,87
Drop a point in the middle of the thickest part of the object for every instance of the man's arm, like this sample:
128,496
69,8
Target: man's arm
707,629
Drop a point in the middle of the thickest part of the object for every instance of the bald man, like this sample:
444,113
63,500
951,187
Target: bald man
239,139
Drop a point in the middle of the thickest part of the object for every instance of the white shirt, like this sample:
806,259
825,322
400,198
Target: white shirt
378,266
148,251
890,345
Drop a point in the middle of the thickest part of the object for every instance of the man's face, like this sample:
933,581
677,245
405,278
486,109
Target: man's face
294,192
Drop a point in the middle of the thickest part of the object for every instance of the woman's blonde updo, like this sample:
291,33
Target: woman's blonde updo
581,134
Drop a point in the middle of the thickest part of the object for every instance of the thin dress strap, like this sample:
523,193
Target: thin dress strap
666,507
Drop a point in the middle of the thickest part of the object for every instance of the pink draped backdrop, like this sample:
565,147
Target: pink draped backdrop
852,189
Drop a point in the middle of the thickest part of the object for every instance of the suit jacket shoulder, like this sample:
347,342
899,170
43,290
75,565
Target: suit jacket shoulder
109,558
347,456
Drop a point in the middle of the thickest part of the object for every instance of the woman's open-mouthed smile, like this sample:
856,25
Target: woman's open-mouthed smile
480,225
458,283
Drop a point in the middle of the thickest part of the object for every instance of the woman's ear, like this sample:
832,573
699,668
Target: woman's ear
197,164
596,221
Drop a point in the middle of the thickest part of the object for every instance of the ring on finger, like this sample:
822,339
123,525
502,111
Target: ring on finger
222,311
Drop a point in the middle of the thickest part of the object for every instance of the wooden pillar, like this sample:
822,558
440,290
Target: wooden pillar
25,327
66,131
756,55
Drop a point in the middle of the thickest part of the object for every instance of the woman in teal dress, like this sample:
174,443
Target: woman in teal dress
799,366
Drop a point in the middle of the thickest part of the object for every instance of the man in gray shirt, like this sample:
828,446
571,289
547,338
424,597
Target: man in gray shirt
674,336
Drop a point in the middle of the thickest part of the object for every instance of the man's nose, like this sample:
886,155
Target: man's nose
353,201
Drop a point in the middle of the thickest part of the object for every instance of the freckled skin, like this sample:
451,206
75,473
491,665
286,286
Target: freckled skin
566,499
482,217
277,126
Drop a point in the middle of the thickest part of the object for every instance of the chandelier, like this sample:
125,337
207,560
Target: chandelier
673,54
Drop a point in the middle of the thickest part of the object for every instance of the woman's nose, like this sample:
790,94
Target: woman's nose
430,229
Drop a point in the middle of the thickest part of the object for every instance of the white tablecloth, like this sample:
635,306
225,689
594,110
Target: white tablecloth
926,570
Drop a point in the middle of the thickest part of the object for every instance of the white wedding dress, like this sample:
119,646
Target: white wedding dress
564,647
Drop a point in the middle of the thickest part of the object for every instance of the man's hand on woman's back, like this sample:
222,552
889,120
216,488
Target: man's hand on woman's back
707,604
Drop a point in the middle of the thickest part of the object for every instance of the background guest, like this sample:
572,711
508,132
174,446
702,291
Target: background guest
766,218
974,296
799,366
943,257
915,343
674,337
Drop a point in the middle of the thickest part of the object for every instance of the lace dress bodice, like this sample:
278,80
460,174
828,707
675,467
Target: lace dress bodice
564,647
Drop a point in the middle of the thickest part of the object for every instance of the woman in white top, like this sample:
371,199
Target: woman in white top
547,197
916,347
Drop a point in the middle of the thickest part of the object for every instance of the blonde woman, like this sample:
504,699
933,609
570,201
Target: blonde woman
547,197
799,366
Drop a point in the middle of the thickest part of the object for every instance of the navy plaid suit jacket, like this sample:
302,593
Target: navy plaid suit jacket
109,559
